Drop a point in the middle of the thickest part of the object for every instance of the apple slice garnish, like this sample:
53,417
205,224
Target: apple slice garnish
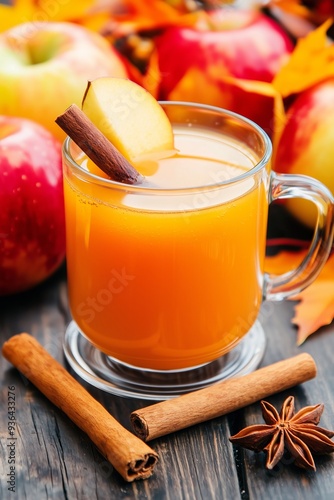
129,116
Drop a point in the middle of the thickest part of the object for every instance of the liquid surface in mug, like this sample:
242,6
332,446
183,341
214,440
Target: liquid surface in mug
170,280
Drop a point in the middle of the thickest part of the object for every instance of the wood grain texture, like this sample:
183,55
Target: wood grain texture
55,460
128,454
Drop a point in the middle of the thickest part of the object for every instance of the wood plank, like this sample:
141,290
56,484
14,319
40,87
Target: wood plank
56,460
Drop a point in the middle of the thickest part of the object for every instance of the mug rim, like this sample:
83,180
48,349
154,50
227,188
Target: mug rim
109,183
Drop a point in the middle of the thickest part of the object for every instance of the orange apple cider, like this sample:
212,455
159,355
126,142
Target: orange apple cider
168,275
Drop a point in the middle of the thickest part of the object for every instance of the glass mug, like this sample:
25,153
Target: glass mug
166,279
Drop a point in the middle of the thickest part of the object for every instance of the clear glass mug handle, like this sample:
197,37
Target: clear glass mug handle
300,186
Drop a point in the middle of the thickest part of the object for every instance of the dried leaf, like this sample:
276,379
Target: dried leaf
292,6
152,78
315,307
316,12
22,11
256,100
12,15
311,62
198,86
139,16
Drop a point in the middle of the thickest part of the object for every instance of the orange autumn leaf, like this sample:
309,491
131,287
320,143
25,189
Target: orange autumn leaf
316,12
258,101
315,306
311,62
149,15
93,19
152,78
197,86
319,297
292,6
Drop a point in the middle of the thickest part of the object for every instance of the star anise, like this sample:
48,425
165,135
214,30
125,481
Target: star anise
297,433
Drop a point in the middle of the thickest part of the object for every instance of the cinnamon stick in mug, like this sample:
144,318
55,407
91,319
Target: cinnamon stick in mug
132,458
97,147
222,398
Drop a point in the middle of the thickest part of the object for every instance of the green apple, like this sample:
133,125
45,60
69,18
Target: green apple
128,116
45,66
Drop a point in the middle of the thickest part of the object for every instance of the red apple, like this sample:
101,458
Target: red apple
45,66
243,44
306,145
32,236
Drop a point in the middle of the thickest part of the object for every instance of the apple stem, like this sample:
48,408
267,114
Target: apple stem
97,147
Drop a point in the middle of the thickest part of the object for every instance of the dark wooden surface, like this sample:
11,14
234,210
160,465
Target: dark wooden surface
55,460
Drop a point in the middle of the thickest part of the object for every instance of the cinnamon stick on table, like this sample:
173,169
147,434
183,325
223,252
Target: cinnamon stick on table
97,147
129,455
222,398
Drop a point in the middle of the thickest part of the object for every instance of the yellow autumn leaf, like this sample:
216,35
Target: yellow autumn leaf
19,13
311,62
315,304
23,11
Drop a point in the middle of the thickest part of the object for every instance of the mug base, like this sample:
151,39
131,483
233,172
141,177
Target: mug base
118,378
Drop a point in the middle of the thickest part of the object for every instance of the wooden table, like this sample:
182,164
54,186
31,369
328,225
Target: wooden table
55,460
